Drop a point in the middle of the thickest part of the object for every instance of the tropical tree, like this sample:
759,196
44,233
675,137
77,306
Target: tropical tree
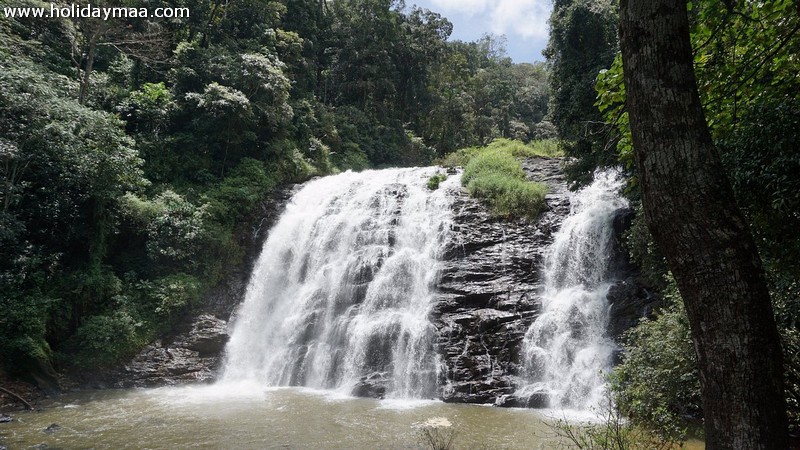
693,217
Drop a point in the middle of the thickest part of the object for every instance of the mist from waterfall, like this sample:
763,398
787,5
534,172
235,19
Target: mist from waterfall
344,286
566,350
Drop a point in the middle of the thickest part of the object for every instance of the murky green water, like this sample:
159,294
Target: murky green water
246,417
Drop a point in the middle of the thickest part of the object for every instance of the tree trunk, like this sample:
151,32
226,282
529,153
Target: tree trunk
87,73
690,210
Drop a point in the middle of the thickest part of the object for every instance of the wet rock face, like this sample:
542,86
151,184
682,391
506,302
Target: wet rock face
208,336
487,291
191,356
630,301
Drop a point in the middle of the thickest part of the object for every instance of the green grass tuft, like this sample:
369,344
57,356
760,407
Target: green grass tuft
548,148
494,175
435,180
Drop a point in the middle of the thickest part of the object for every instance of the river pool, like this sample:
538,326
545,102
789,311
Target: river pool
252,417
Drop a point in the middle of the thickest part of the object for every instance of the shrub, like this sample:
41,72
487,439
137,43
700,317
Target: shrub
237,195
103,340
459,158
657,384
492,162
613,432
174,293
435,180
494,175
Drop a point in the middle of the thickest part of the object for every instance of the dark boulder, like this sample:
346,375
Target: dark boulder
372,386
208,336
534,400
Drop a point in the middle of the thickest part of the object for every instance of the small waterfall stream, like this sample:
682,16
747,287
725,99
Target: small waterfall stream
566,350
343,287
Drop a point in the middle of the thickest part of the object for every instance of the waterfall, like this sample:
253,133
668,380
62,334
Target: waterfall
343,287
566,351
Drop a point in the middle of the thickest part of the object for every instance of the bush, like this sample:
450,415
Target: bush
613,432
459,158
435,180
175,293
104,340
492,162
657,384
494,175
237,195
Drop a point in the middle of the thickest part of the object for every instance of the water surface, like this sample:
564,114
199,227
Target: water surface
251,417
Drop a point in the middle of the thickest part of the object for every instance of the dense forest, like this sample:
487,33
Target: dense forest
133,152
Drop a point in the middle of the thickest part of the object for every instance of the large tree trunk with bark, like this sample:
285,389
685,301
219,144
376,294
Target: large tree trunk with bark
691,212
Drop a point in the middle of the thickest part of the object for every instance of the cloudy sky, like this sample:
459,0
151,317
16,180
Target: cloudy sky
523,22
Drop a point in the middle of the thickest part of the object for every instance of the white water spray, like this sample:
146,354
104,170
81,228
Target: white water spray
566,350
344,285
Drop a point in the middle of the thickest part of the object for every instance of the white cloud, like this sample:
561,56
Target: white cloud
525,18
469,7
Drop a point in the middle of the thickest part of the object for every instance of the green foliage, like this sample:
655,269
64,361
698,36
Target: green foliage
435,180
148,108
762,159
546,148
236,196
494,175
509,197
106,339
23,325
583,41
611,103
174,294
459,158
643,252
613,432
657,384
492,162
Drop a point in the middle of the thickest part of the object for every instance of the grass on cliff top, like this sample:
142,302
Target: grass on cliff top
494,175
547,148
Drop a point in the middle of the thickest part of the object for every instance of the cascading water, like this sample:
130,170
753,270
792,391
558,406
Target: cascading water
343,286
566,350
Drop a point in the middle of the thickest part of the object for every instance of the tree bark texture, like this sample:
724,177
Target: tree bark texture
691,212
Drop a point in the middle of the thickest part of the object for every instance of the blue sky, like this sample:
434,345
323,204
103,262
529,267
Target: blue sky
523,22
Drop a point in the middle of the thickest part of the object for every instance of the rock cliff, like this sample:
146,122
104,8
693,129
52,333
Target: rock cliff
488,290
